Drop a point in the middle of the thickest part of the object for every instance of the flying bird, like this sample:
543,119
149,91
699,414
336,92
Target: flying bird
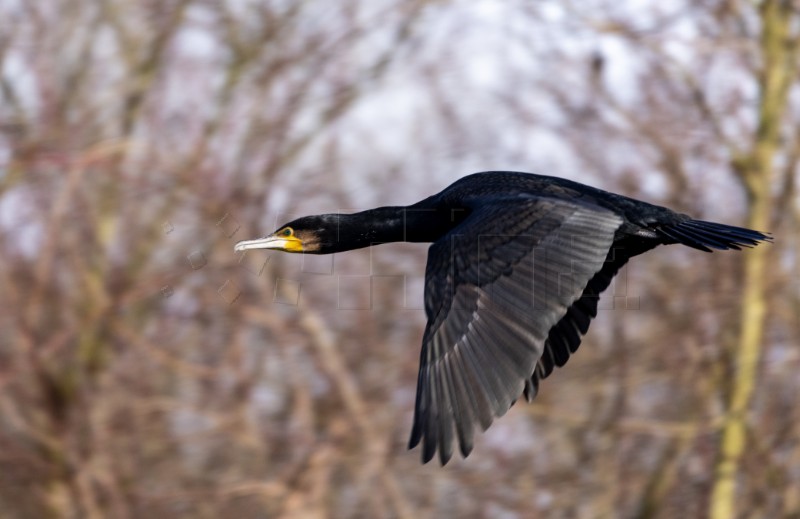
514,274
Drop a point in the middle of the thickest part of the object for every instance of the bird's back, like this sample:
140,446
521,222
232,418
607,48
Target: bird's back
472,190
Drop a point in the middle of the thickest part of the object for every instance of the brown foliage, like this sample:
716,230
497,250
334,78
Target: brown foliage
148,371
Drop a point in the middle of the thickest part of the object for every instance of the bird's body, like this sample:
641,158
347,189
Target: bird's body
514,274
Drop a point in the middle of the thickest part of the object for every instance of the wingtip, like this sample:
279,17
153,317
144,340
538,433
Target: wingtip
444,457
416,436
465,448
428,449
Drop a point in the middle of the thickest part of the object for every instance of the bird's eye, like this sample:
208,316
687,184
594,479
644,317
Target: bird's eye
287,231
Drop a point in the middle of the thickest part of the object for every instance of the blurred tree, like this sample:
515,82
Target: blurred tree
146,370
122,150
778,49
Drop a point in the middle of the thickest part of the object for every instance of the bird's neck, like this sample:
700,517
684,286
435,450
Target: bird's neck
393,224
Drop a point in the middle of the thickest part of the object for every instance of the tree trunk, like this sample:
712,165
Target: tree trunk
756,170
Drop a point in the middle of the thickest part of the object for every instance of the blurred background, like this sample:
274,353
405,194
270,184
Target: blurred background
148,371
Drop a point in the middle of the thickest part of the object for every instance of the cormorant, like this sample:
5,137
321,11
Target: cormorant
514,274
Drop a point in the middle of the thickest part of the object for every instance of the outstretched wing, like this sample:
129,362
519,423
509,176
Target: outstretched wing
495,287
566,335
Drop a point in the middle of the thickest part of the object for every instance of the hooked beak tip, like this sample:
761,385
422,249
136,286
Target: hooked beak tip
269,242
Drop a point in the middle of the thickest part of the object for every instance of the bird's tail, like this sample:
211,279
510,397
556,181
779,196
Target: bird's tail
705,236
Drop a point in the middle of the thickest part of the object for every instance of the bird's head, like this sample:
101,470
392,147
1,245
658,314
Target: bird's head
311,234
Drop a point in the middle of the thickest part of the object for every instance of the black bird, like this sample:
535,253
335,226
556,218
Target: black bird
514,274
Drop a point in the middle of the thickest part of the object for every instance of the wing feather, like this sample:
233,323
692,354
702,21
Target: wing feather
492,300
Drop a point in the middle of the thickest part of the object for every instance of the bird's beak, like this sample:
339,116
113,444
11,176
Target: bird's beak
284,243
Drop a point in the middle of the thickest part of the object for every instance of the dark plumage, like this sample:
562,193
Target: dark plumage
514,274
